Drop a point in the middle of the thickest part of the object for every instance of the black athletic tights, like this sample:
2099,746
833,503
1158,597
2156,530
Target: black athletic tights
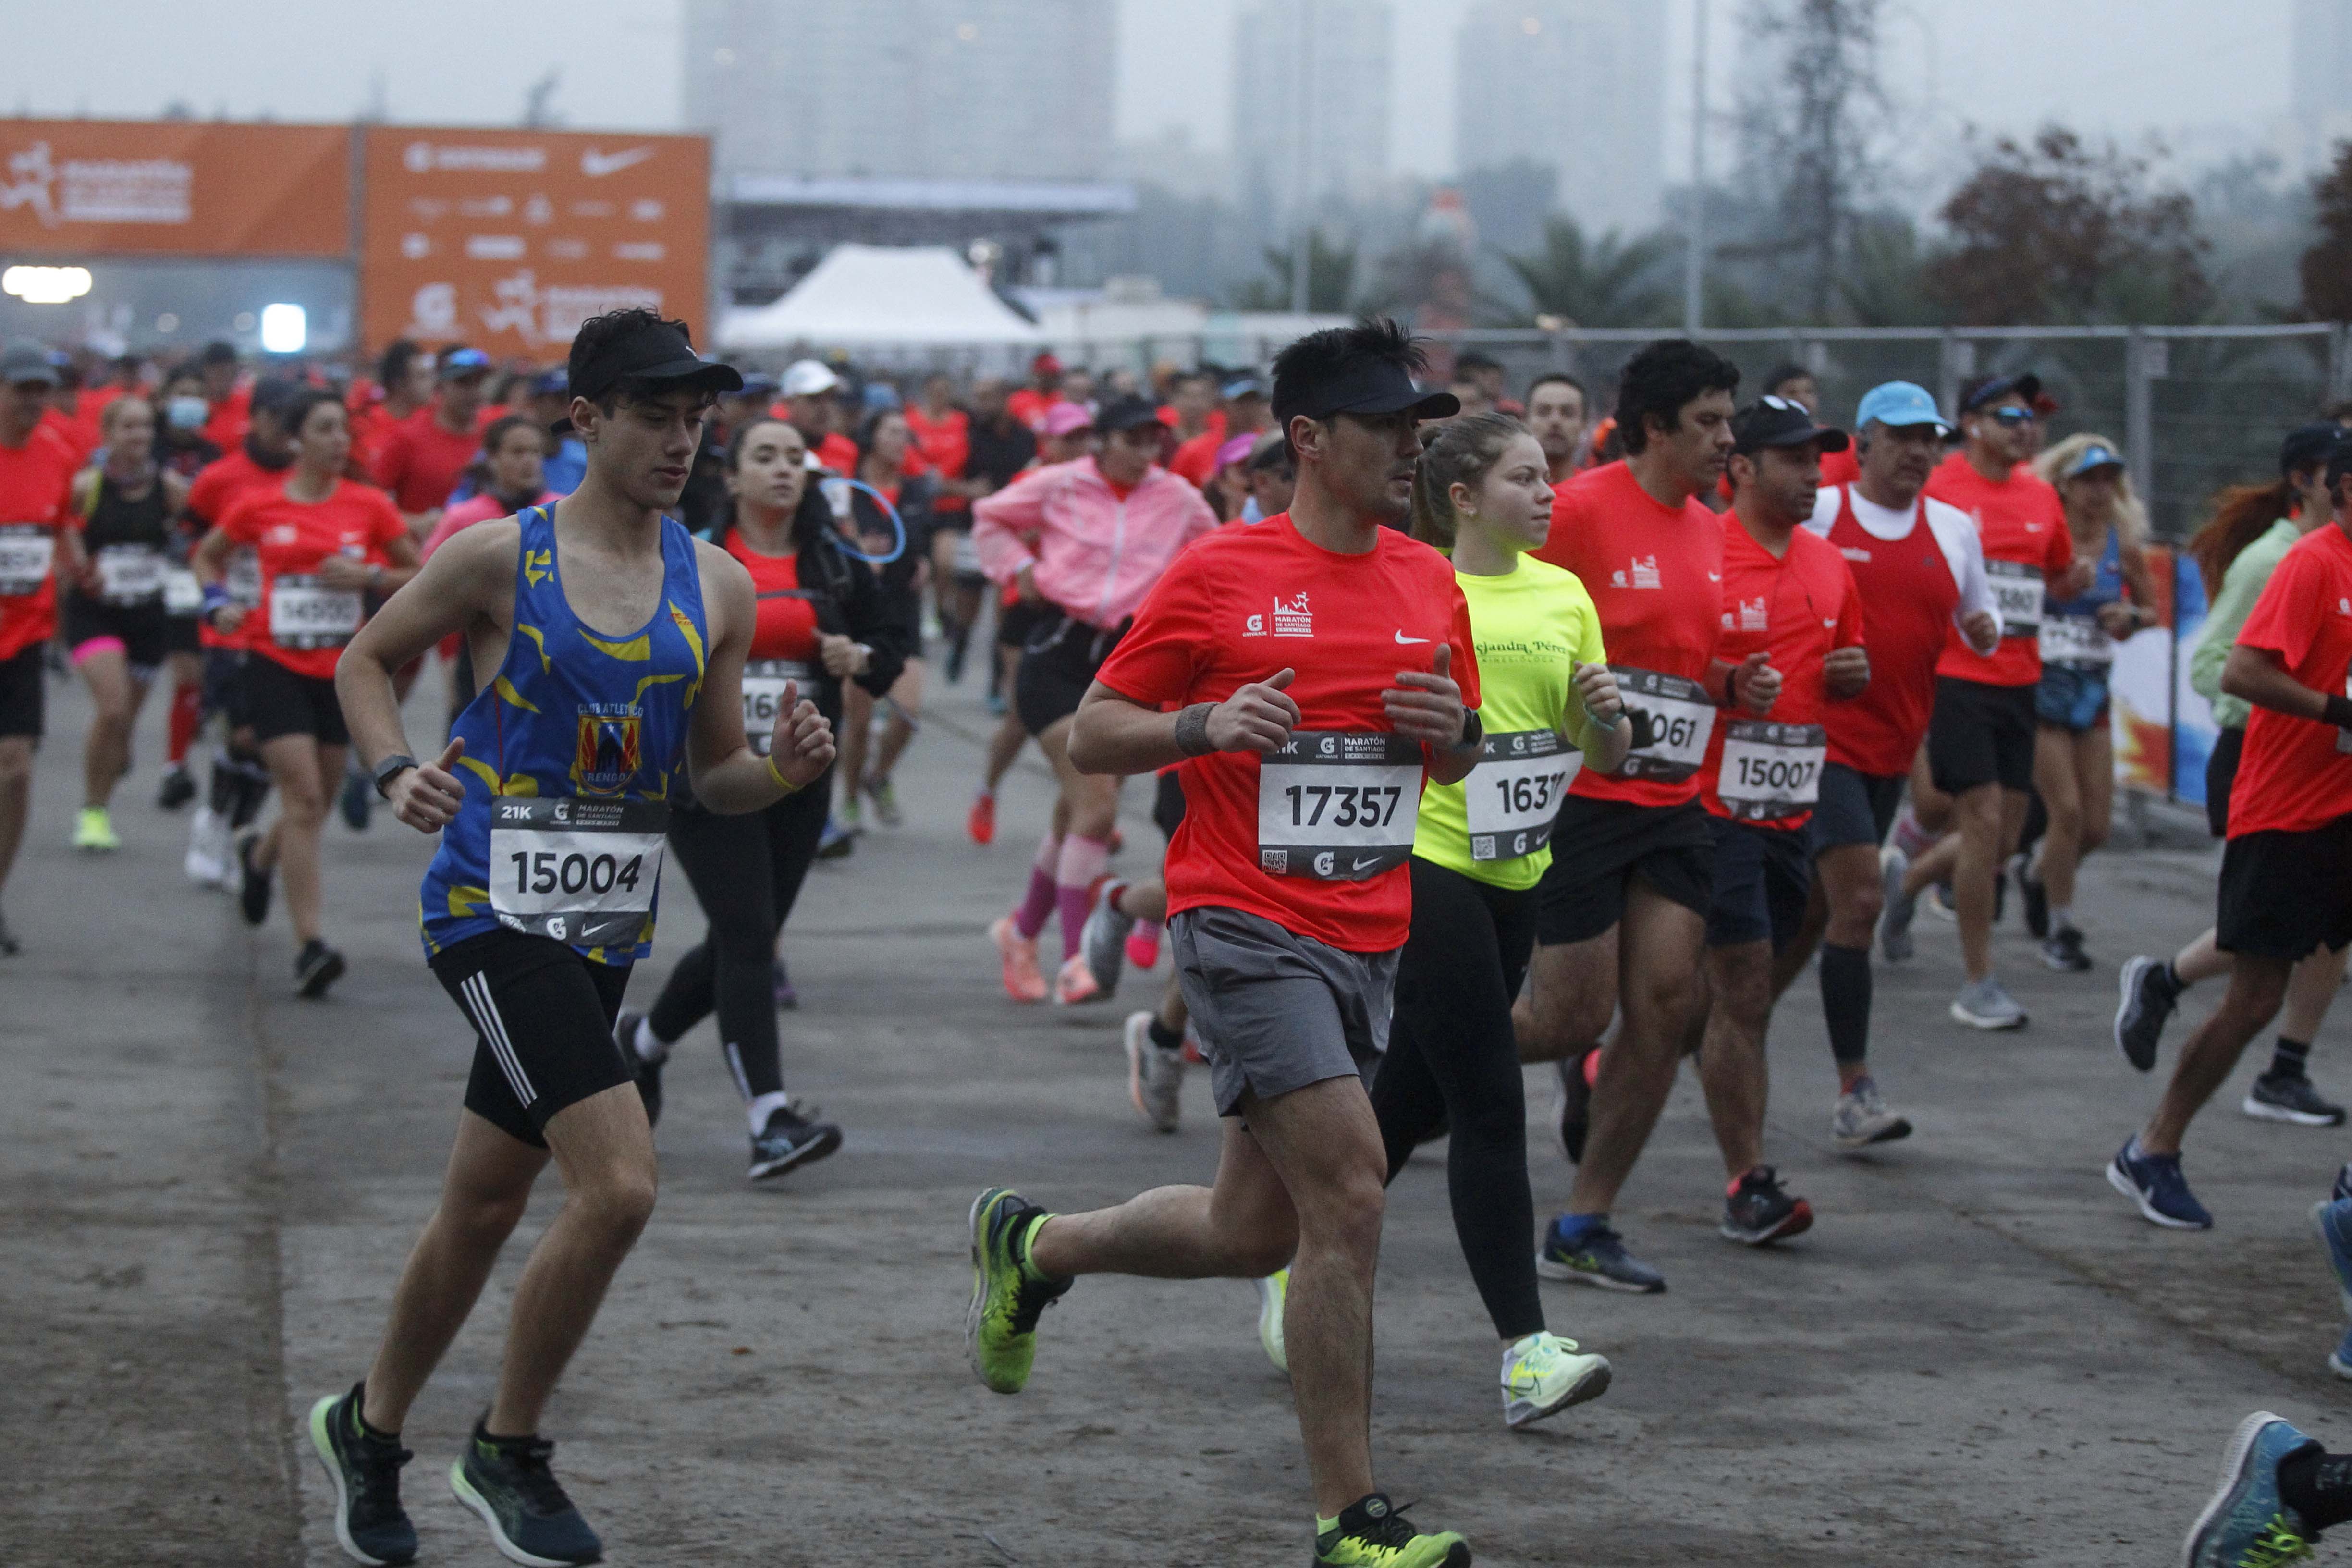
747,870
1452,1055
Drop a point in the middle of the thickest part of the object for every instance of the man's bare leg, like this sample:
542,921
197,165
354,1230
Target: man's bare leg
1300,1183
1731,1064
2257,986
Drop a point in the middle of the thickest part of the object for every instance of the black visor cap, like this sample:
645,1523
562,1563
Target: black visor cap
1369,387
657,351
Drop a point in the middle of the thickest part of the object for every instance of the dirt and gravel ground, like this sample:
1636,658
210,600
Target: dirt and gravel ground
1980,1354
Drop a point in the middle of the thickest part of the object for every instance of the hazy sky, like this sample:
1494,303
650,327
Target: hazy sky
2119,66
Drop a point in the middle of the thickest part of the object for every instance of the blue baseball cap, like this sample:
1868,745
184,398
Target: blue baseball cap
2097,455
1898,404
459,364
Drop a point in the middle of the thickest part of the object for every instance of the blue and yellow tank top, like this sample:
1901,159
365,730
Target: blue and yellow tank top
573,752
2071,632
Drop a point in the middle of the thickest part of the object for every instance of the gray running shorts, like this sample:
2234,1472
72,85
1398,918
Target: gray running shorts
1276,1011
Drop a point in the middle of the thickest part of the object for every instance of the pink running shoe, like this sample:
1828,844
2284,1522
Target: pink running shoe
1022,980
1143,945
1076,984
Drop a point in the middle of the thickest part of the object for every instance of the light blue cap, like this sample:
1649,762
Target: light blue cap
2096,456
1899,403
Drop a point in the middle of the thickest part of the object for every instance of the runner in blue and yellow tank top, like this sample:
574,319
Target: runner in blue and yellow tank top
618,642
1547,703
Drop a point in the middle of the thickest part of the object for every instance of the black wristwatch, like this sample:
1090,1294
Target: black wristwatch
1473,731
390,768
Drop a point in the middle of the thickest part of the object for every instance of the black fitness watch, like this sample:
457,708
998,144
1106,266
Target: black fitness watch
390,768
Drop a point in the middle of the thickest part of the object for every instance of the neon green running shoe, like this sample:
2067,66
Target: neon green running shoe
1000,1328
94,830
1372,1534
1272,1292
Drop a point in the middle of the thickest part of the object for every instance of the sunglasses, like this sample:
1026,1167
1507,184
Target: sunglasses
2010,418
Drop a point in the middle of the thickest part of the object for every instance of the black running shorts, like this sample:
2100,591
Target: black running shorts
143,630
1853,808
542,1018
1056,668
1599,847
21,693
2220,773
278,701
1017,622
1761,877
2285,895
1980,734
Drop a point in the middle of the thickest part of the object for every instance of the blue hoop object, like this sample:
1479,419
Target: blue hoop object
897,523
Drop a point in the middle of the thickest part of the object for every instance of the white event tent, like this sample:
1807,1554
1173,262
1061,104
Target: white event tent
878,298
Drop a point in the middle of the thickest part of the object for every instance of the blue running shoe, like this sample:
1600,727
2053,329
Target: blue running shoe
507,1481
2343,1188
2248,1525
2154,1182
2333,1221
370,1524
1595,1257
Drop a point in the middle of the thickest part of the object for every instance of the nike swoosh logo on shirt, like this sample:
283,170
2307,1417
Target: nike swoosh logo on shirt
597,165
1375,859
1402,637
1715,576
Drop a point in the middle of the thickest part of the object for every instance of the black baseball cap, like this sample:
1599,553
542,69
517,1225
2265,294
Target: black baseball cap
1775,421
1126,413
2026,389
275,393
1364,385
651,349
2306,444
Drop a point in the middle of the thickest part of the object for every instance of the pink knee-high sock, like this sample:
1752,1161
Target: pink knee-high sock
1038,901
1083,859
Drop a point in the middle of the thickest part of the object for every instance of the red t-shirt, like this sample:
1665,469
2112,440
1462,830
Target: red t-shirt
1290,836
292,537
231,417
34,480
786,626
69,432
1797,607
420,461
1030,406
1196,459
2022,525
1655,574
212,494
1841,468
1913,594
837,452
2296,774
941,446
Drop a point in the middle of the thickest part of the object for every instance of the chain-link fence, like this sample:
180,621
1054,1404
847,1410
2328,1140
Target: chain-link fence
2194,408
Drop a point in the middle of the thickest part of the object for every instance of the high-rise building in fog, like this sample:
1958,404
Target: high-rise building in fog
2323,78
959,89
1310,100
1579,86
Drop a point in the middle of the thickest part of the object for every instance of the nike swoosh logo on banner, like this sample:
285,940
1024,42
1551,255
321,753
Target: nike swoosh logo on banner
1362,864
1402,637
597,165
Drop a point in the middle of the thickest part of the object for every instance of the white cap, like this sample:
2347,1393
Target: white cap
809,378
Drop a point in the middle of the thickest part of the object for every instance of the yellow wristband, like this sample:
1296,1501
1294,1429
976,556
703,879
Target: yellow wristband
782,782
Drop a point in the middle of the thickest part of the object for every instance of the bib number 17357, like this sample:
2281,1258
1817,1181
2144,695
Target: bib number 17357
1338,804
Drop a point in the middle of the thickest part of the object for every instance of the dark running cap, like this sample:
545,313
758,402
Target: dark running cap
2307,445
1775,421
2026,389
657,351
1127,412
1366,385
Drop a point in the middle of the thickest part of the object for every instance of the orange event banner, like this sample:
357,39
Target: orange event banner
174,187
508,240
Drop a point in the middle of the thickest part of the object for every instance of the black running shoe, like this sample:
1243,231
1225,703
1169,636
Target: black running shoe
2062,951
1573,1107
2150,996
9,946
316,967
177,790
506,1480
1759,1212
2289,1097
2037,896
253,887
648,1070
790,1138
370,1524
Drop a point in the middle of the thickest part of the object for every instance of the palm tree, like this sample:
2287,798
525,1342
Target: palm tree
1607,282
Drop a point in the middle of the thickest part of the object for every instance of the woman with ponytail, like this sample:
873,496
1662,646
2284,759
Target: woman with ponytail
1548,704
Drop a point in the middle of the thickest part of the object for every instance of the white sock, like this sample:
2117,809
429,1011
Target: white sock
760,1107
649,1045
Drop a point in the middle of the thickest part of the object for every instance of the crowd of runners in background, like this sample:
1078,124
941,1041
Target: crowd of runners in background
1719,680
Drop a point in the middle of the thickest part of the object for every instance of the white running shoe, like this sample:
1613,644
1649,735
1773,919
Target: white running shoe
1155,1078
1543,1374
1861,1119
208,836
1272,1291
1894,915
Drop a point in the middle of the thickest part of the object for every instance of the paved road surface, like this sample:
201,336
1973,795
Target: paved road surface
1980,1354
